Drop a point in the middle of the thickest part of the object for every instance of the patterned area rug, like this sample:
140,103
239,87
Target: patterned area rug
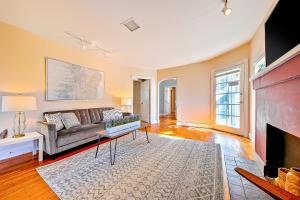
166,168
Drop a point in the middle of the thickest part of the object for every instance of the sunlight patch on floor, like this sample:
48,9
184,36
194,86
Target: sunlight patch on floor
171,137
168,132
173,126
199,129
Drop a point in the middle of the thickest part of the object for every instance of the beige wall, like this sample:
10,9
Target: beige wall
256,51
194,84
22,70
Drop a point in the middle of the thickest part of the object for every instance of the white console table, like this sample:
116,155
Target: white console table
34,136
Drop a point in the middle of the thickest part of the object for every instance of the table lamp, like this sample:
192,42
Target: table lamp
18,104
126,102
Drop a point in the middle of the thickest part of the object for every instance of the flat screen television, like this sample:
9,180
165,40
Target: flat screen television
282,30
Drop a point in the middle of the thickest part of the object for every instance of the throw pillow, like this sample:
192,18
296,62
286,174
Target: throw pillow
69,120
109,115
55,119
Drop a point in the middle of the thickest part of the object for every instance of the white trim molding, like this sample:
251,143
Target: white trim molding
192,124
260,163
152,113
244,126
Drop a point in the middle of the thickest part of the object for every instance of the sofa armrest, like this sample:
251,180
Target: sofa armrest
50,136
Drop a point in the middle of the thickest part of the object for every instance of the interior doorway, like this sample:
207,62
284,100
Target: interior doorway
141,98
168,98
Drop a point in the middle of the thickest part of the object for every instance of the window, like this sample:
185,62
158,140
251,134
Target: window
260,64
228,98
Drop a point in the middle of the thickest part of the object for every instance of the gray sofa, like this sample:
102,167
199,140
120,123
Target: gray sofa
91,121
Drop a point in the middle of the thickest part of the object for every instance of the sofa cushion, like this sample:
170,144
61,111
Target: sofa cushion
69,120
82,115
80,128
55,119
96,114
110,115
74,134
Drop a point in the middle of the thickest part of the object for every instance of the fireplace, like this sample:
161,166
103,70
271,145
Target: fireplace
277,107
282,150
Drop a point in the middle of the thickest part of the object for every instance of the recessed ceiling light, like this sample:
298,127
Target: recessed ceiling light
226,10
131,25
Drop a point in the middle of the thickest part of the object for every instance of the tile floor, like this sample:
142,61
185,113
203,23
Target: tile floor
239,187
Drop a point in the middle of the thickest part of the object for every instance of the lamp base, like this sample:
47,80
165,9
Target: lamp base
18,135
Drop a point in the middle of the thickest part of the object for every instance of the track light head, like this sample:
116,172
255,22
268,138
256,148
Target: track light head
226,11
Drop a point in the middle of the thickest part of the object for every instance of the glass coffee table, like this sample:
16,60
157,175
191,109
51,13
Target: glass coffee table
115,136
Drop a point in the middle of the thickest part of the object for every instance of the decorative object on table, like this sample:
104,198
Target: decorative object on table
19,104
66,81
169,168
122,121
292,183
281,179
126,104
3,134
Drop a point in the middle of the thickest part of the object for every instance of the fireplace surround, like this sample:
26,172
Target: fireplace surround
277,94
282,150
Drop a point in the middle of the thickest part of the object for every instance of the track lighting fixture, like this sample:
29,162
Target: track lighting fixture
226,10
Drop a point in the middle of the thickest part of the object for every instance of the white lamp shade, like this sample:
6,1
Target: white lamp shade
126,101
18,103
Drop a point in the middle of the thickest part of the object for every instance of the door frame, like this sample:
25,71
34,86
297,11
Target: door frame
150,78
159,97
244,125
167,88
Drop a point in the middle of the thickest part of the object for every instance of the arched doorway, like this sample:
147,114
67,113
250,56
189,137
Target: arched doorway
167,102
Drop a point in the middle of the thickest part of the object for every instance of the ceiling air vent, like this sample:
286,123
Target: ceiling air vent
131,24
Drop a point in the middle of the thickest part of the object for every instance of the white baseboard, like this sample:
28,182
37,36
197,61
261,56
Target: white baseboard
260,163
199,125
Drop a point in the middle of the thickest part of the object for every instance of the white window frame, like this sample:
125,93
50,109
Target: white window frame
244,123
257,61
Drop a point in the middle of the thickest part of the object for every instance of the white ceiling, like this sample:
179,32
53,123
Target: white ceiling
172,33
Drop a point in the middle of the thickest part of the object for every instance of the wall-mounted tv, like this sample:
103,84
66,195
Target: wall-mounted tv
282,30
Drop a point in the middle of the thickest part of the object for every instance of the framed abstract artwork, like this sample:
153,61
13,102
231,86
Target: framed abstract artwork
67,81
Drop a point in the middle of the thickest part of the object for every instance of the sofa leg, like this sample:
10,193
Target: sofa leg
53,157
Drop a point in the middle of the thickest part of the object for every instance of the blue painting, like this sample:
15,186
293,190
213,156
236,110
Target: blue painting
66,81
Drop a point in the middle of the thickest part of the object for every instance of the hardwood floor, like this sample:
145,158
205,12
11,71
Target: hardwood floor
23,182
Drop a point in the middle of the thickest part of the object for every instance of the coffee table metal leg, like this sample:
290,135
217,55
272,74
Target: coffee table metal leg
147,134
115,151
97,147
110,152
113,158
